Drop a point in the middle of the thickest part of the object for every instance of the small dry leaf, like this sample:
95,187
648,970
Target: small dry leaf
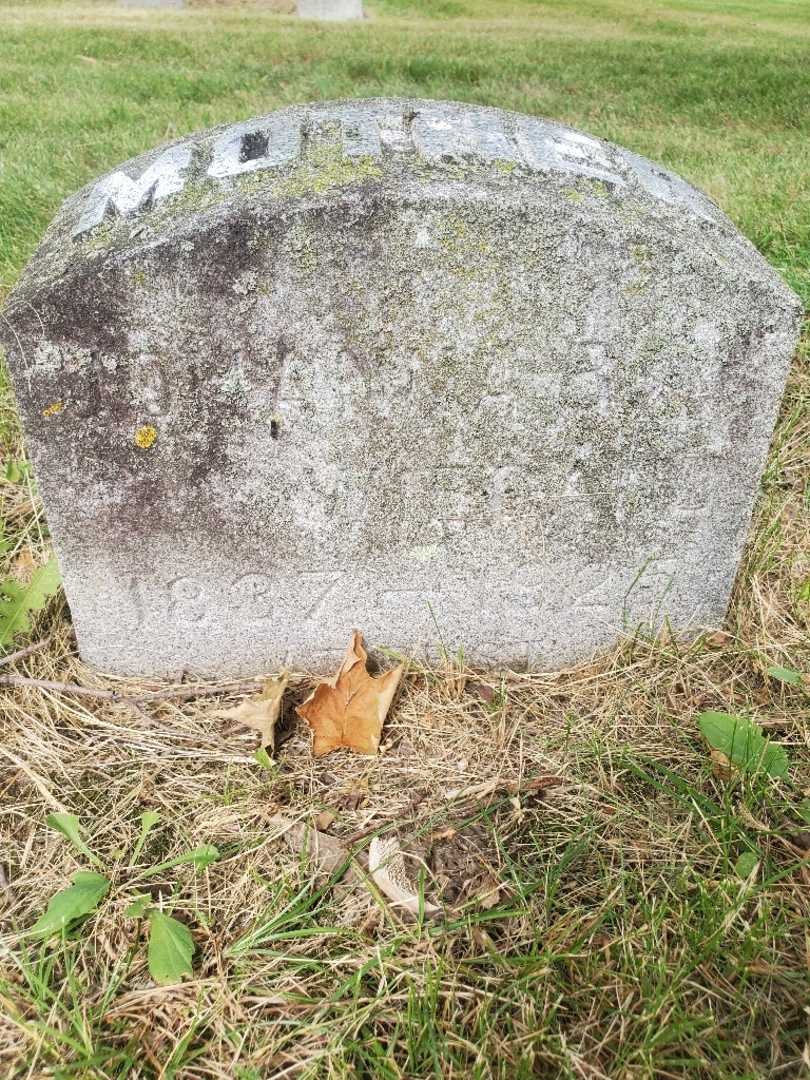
442,834
387,868
24,564
324,820
349,710
721,765
748,818
481,690
482,938
325,852
262,713
488,893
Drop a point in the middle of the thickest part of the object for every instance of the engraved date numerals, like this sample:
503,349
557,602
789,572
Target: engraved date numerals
188,601
251,598
194,603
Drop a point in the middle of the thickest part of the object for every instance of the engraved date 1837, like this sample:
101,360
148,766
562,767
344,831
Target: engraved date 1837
194,600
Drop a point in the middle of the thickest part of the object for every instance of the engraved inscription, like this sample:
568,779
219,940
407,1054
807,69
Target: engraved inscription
437,134
323,586
471,139
120,194
545,147
192,600
266,143
252,596
187,601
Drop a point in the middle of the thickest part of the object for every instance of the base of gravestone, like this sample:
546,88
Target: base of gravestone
330,10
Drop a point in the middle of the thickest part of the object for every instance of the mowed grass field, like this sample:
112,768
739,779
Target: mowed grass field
649,915
717,91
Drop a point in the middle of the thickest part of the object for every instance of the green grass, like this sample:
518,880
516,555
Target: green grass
716,91
624,944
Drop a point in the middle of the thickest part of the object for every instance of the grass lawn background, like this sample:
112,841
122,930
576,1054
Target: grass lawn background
624,944
718,92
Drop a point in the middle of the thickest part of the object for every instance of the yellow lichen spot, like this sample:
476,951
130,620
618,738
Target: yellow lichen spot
145,436
54,408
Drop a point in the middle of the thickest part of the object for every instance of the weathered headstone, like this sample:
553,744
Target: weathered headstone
330,10
452,375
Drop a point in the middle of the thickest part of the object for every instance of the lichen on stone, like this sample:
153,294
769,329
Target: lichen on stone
193,197
467,250
102,236
326,168
597,187
145,436
53,409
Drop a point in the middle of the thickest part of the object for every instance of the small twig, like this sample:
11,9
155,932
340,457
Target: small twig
20,654
181,693
171,692
59,687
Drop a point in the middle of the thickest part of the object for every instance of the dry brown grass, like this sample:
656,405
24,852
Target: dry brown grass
622,944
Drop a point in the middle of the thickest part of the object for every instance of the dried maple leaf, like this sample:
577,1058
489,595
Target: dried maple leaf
261,713
349,710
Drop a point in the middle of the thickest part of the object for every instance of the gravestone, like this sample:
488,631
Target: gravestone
151,3
458,377
330,10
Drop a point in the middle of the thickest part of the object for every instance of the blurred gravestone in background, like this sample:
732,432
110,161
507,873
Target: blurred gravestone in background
330,10
151,3
462,378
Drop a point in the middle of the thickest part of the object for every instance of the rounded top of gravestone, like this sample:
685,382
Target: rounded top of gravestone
369,152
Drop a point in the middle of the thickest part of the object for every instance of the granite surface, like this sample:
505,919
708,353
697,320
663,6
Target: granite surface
463,379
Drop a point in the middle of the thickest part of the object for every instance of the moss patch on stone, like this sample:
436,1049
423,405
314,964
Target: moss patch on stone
325,169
